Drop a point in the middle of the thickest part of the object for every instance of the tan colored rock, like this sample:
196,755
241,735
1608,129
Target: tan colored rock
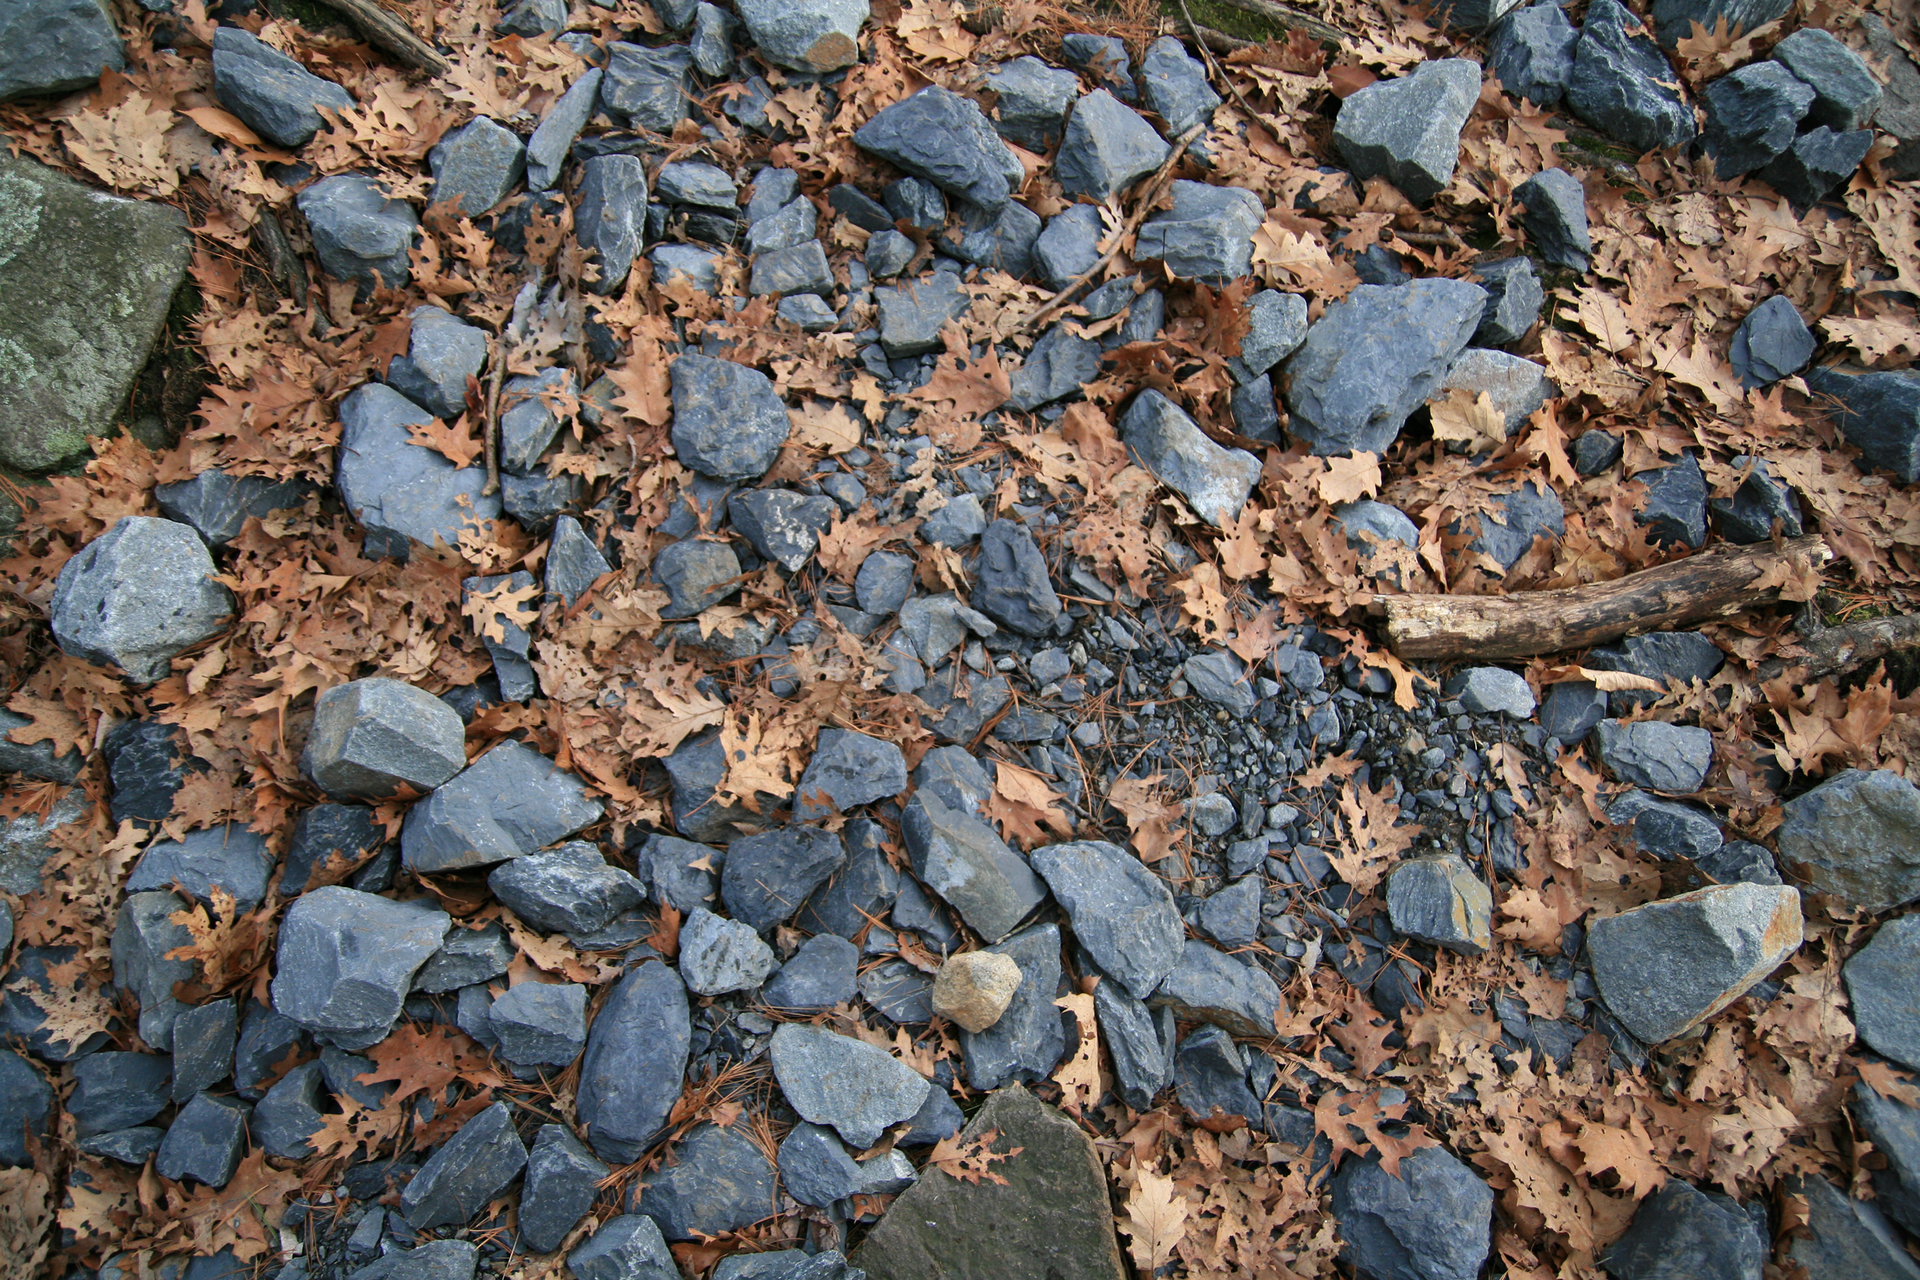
974,988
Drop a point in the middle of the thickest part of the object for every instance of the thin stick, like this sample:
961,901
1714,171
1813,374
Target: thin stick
497,351
1207,53
1290,19
387,31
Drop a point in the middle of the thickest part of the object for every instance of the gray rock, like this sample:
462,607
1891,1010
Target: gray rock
506,804
285,1121
809,314
469,1169
1430,1223
997,239
1231,916
646,88
442,353
1856,836
571,889
815,36
1375,357
1666,967
901,993
835,1080
1441,902
1675,507
574,564
1556,218
1816,163
1122,913
35,760
1174,85
859,208
1212,814
1663,656
137,595
1141,1049
56,46
1207,235
1210,1076
1107,147
611,219
956,524
696,182
1740,860
346,961
540,1023
402,492
937,625
1492,690
117,1090
1529,512
1211,986
848,768
1050,1217
1256,415
782,525
1772,343
820,976
1667,829
768,875
1846,1237
1033,101
1514,296
1276,326
547,148
1845,93
1655,755
358,233
696,574
1378,532
435,1260
718,1181
884,582
1475,16
371,737
228,856
528,421
217,505
635,1063
1068,247
1408,130
476,166
561,1185
1894,1129
203,1039
936,1119
942,137
1516,386
267,1039
465,957
1622,84
1221,678
913,313
143,934
1674,19
1103,58
888,253
728,422
1059,364
33,985
860,891
1596,451
535,500
916,202
1879,413
802,268
718,956
204,1142
668,864
628,1247
1531,54
130,1146
1214,481
1028,1041
533,18
1880,978
272,94
972,869
712,41
1012,586
815,1168
1751,116
696,769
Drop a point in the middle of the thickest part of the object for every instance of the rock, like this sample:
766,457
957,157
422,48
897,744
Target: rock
901,993
1880,979
1375,357
1441,902
1050,1219
509,802
574,564
1210,1074
888,253
1596,451
1255,413
816,36
1221,678
540,1023
1666,967
137,595
1845,93
547,148
819,976
1174,85
1276,326
467,956
1514,296
1556,218
1027,1041
635,1061
528,422
1407,130
35,760
402,492
1060,363
266,1039
1751,116
228,856
128,1146
942,137
1106,148
1207,235
217,505
1773,342
1210,986
533,18
1378,532
859,208
815,1168
476,166
998,239
371,737
1663,656
117,1090
1141,1049
204,1141
696,182
728,422
628,1247
960,858
56,46
610,221
802,268
1846,1237
285,1121
571,889
1514,386
1894,1129
956,524
1675,508
862,889
1012,587
1033,101
1429,1223
838,1081
916,202
712,41
272,94
1622,84
848,768
767,876
1122,913
358,233
669,865
912,314
1231,916
1215,481
783,526
203,1038
1682,1231
1740,860
1675,19
809,314
469,1169
1492,690
143,933
973,989
1531,54
346,961
328,840
1213,814
1815,164
1856,836
1879,413
644,87
696,575
1528,512
695,769
1655,755
561,1185
719,1181
435,1260
27,1100
884,582
1104,60
1667,829
718,956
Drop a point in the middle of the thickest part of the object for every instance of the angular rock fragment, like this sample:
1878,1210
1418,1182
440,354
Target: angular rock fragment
848,768
1210,1075
1622,84
1879,413
228,856
1681,1230
1772,343
1013,587
728,422
574,564
506,804
1515,387
476,166
371,737
1430,1223
1675,508
646,87
402,492
1556,218
913,313
1211,986
467,956
56,46
959,857
1894,1129
635,1063
718,956
1122,913
571,889
974,988
610,221
820,975
1817,162
1207,235
562,1182
1033,101
802,268
528,422
203,1038
718,1181
469,1169
1027,1041
137,595
1514,296
938,135
1231,916
285,1121
1059,364
272,94
1215,481
540,1023
117,1090
850,1086
1880,981
217,505
1662,656
1752,114
628,1247
547,148
1667,829
782,525
1407,130
1140,1047
1440,901
358,233
1655,755
767,876
204,1141
144,932
696,574
1845,1237
346,961
1276,326
1845,92
1174,85
815,36
1491,690
1531,53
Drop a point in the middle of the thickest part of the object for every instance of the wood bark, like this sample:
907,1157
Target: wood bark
1832,651
389,31
1717,583
1291,19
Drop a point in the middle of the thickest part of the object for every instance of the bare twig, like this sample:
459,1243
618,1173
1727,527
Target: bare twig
388,31
497,353
1291,19
1219,73
1444,238
1218,41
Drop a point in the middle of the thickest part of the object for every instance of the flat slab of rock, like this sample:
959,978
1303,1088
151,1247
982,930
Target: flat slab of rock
962,859
728,422
1680,1230
1654,754
1408,130
768,875
1212,986
843,1083
1440,901
506,804
1122,913
938,135
1856,836
402,492
848,768
469,1169
1050,1220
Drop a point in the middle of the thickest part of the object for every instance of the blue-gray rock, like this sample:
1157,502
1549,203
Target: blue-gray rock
610,221
402,492
1211,986
802,268
56,46
547,148
26,1099
1596,451
465,957
1491,690
820,975
838,1081
1741,860
718,1181
1879,413
1059,364
1122,913
468,1170
476,166
1215,481
561,1185
1378,531
1407,130
1816,163
696,573
1231,916
1441,902
728,422
696,768
768,875
1207,235
1514,296
937,625
937,1118
901,993
528,421
1654,754
1012,586
1375,357
346,961
534,501
635,1061
1140,1048
888,253
938,135
1772,343
809,313
1276,326
1667,829
1067,248
1556,218
718,956
204,1142
217,505
272,94
574,564
859,208
1682,1231
117,1090
1662,656
506,804
1666,967
913,313
1531,53
540,1024
1028,1041
1221,678
1845,1237
1845,93
861,891
1622,84
646,88
533,18
1675,19
916,202
285,1121
815,1168
1033,101
1103,58
712,41
782,525
1752,114
1674,510
128,1146
815,36
1106,148
884,582
137,595
1256,414
1529,512
955,525
203,1039
1210,1076
435,1260
570,889
848,768
1894,1129
628,1247
143,933
1174,85
358,233
1430,1223
972,869
228,856
696,182
442,353
267,1038
41,760
998,239
1515,386
371,737
31,986
1880,978
1856,836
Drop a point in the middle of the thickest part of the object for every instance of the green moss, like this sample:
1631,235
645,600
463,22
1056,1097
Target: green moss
312,16
1234,22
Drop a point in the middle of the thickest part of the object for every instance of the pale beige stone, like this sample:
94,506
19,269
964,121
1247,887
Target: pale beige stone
974,988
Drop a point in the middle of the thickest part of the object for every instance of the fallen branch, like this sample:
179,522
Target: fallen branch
497,354
386,30
1832,651
1218,41
1291,19
1716,583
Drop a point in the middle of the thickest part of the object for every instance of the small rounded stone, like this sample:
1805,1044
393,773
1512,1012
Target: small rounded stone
974,988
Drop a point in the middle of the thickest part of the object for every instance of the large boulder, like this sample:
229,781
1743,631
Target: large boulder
137,595
1856,836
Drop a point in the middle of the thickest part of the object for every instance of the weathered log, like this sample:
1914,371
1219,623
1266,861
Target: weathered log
1833,651
1291,19
387,30
1717,583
